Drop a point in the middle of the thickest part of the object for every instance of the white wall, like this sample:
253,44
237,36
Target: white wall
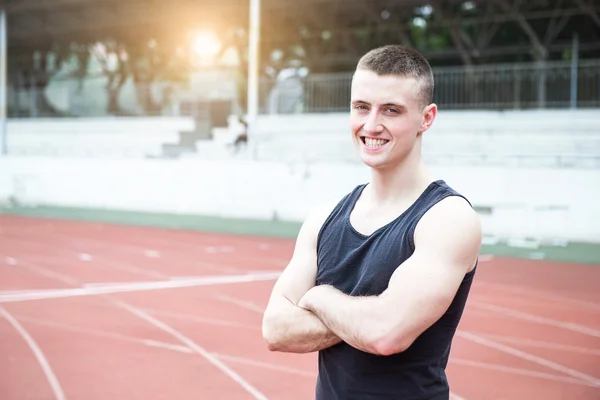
538,202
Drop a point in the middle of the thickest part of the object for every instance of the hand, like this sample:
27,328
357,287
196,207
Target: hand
310,297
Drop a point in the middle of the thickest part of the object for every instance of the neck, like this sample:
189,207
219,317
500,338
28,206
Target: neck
401,181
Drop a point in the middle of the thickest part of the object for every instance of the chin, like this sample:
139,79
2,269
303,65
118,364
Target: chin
382,161
373,162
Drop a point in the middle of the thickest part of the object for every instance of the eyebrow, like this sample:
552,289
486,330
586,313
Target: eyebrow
385,105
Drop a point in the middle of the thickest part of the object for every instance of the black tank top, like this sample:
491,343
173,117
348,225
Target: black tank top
361,265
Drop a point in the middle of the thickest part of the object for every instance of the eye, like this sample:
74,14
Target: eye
393,111
360,109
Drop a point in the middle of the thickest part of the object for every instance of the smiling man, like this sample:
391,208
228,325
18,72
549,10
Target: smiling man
379,279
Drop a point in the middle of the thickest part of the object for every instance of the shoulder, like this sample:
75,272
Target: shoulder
454,208
451,228
317,216
453,213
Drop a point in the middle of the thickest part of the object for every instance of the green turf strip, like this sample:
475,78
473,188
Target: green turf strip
572,252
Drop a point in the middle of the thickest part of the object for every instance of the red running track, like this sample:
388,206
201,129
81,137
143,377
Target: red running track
531,329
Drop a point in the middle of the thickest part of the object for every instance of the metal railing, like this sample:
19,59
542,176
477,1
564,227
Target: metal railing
495,87
66,96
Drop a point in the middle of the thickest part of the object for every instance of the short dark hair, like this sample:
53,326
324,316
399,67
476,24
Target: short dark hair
401,61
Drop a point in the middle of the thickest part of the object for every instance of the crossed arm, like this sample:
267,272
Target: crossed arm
286,326
447,242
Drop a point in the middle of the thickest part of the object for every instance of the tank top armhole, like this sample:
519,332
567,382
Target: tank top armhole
415,222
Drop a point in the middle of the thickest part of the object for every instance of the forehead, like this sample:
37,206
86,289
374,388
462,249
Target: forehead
382,89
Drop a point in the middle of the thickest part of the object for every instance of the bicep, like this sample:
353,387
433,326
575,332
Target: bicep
422,288
446,247
301,272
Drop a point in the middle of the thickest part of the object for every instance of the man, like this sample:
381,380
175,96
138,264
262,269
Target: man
379,279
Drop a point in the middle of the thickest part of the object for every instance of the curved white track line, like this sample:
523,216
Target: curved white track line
543,345
520,371
541,294
529,357
572,326
197,349
41,359
188,342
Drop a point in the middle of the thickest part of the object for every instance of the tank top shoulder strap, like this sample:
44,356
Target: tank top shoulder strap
343,208
346,205
436,192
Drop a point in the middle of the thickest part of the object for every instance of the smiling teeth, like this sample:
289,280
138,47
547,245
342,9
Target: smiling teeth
375,142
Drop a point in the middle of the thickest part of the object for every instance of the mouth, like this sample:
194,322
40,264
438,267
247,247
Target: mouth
371,143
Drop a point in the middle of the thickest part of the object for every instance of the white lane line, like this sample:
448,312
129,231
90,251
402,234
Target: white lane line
537,319
166,346
199,350
543,345
157,323
70,252
85,257
228,273
105,334
540,294
123,266
152,253
519,371
141,251
45,272
248,305
516,301
134,287
166,328
202,320
529,357
10,291
39,355
454,396
274,367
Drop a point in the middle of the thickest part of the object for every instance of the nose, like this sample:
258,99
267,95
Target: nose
373,123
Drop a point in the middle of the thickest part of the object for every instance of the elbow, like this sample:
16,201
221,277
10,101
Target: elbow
269,338
272,343
390,343
390,347
269,333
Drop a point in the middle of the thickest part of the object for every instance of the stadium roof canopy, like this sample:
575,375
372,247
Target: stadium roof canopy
327,29
34,22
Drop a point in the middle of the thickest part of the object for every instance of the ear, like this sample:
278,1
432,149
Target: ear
429,114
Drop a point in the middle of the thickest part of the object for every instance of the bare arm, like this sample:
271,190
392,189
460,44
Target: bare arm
287,327
447,241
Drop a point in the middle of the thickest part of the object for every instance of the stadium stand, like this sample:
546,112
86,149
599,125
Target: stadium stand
95,137
559,138
545,137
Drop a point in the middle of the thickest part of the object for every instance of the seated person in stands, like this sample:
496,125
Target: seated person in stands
242,138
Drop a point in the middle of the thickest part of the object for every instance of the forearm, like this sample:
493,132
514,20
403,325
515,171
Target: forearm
293,329
353,319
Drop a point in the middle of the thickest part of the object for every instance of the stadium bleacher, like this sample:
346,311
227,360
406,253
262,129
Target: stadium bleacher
95,137
559,138
544,138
